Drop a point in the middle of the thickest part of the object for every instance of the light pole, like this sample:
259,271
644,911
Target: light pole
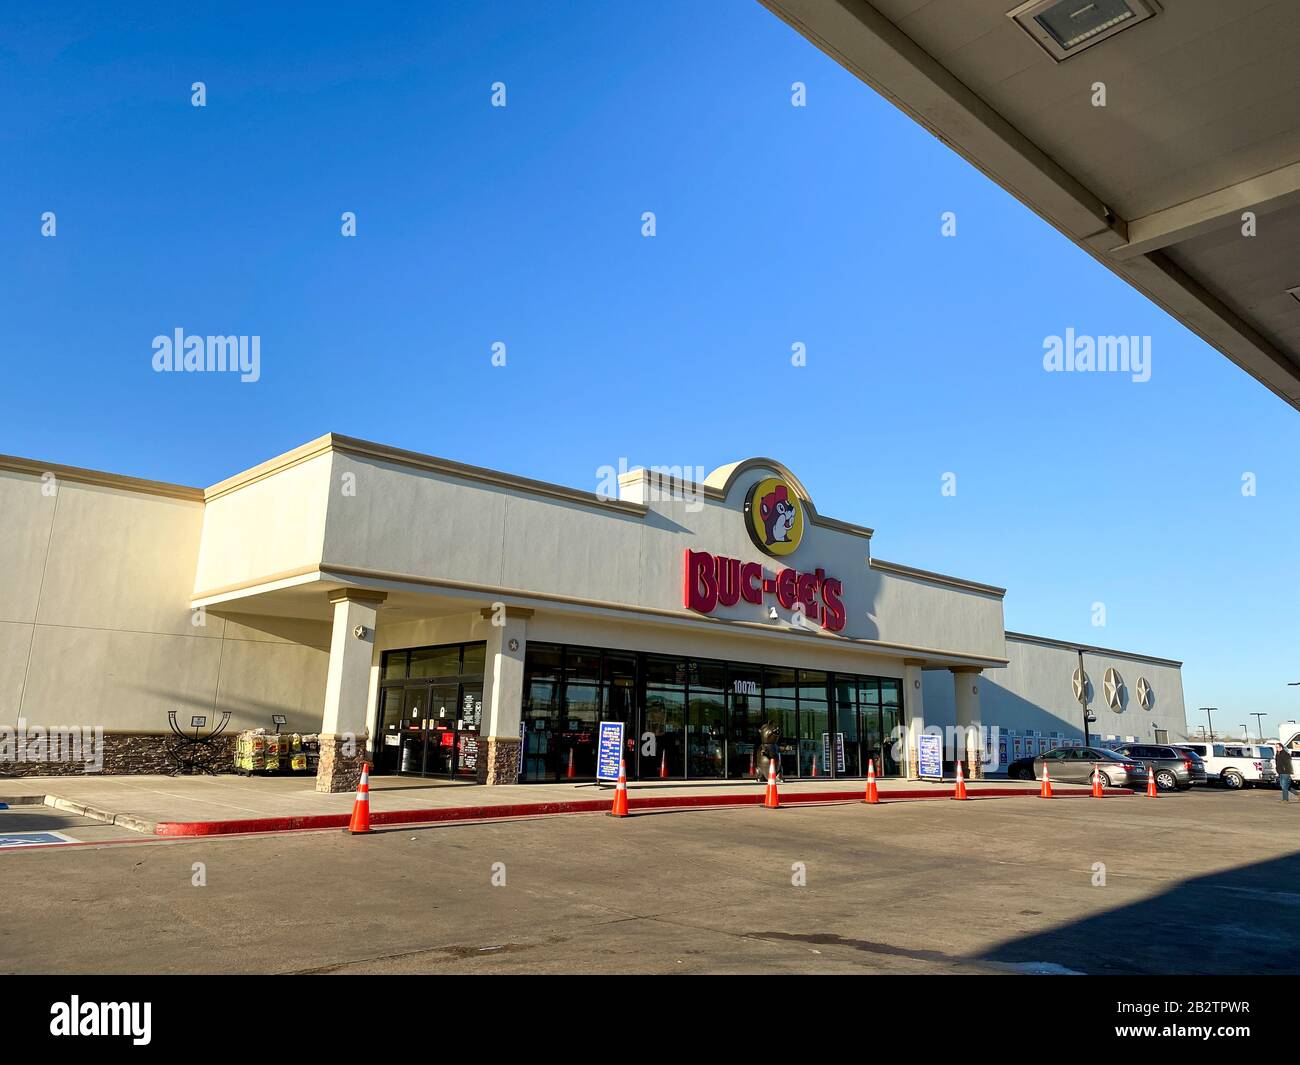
1246,732
1259,724
1208,711
1081,688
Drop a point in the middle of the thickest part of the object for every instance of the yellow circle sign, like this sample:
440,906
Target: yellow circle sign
774,517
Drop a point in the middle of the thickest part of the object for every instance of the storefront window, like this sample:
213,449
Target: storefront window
814,723
581,666
665,718
661,671
436,662
543,661
475,660
844,699
779,684
706,735
708,676
890,717
783,713
395,665
704,715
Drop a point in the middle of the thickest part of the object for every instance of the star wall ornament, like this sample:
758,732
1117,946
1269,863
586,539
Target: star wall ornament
1113,689
1079,682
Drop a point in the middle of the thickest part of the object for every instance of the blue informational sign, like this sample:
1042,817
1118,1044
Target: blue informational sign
609,750
929,755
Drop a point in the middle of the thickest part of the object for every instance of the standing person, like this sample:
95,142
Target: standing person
1282,763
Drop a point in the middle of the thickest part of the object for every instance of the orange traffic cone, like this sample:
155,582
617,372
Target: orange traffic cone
771,800
663,766
360,822
751,763
873,794
1045,792
1152,791
1097,792
814,768
620,793
570,774
960,792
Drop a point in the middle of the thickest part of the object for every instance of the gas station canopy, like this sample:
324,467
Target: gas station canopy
1197,144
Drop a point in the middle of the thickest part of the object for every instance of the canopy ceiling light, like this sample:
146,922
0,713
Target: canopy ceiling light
1066,27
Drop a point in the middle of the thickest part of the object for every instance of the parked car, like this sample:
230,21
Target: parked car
1075,765
1234,765
1021,769
1175,768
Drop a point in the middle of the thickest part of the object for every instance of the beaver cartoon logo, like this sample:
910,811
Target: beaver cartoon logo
774,517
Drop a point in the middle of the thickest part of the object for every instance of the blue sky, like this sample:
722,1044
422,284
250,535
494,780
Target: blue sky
775,225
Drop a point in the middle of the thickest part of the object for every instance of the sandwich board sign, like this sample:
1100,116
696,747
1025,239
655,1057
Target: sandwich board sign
929,756
609,750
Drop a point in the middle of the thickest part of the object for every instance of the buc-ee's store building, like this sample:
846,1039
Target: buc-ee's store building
478,625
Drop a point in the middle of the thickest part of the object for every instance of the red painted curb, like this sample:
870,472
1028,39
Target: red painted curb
574,806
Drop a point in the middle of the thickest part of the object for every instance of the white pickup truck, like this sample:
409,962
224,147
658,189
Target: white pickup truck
1234,765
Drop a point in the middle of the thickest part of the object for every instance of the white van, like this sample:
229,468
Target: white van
1234,765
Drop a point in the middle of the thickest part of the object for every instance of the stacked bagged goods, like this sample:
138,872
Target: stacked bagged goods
259,751
273,745
250,751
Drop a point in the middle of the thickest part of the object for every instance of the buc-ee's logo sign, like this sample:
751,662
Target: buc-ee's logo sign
774,517
775,520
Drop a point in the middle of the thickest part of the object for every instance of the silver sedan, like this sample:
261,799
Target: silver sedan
1076,765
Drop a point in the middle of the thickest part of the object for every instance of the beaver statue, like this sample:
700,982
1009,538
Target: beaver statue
769,753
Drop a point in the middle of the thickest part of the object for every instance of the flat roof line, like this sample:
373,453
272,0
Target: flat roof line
935,578
1069,645
80,475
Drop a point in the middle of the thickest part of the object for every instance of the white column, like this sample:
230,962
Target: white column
914,707
503,695
347,688
966,695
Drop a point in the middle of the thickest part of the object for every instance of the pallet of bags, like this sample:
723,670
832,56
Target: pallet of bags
250,751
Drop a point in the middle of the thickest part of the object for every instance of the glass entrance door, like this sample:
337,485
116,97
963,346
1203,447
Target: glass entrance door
440,729
401,717
419,728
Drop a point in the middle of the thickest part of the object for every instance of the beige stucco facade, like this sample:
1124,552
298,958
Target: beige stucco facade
279,590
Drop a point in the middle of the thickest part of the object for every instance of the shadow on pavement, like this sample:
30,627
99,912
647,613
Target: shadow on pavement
1237,921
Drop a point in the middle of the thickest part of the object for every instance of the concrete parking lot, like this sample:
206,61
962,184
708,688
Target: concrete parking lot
991,886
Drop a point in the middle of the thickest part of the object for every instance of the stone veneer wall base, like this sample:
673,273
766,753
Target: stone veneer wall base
340,770
499,760
123,753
